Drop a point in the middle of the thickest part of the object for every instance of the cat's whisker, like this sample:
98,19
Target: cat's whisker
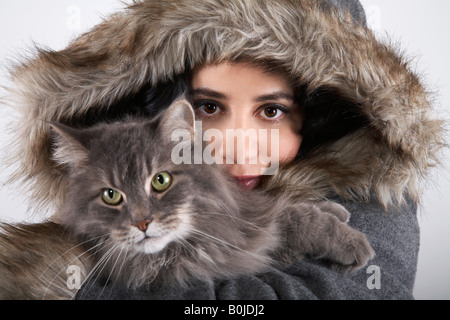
229,245
112,269
69,263
203,254
61,256
100,265
188,245
105,256
122,264
86,280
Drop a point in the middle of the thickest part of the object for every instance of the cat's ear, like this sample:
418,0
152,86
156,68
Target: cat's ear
179,116
70,145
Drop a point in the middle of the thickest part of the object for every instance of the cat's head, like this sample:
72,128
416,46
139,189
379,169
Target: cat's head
125,188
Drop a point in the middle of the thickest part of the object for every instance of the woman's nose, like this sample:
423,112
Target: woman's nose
240,145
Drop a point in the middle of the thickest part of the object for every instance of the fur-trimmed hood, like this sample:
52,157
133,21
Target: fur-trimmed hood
151,42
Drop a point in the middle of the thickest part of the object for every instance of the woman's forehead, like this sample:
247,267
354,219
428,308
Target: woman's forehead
225,79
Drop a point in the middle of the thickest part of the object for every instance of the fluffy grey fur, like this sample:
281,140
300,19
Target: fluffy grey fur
151,41
202,227
35,260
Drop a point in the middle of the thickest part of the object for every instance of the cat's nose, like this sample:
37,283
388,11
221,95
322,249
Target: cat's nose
142,225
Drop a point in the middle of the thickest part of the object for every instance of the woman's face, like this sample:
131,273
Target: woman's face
228,97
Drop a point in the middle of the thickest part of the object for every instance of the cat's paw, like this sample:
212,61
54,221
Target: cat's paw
353,253
335,209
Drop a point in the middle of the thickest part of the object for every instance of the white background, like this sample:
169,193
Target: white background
421,28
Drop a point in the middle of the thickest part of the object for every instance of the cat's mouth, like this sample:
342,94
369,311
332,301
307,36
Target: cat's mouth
150,244
153,240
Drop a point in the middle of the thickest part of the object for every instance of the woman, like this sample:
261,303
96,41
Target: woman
365,124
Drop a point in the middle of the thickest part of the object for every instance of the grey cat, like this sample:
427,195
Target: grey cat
133,217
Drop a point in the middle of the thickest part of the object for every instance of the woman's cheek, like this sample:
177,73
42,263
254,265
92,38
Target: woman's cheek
289,145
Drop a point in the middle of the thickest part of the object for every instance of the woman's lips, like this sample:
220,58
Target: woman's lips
247,182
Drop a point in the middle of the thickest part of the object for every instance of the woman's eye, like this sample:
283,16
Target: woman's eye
112,197
162,181
272,113
208,108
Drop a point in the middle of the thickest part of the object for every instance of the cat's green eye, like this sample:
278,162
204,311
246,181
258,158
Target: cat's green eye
112,197
162,181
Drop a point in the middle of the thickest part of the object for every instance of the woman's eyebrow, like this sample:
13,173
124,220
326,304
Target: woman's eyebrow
277,95
209,93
